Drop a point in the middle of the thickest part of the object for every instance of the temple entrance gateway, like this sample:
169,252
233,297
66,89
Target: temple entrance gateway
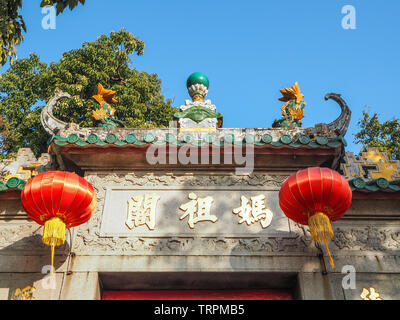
187,229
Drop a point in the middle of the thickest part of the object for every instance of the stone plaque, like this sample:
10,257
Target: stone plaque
206,211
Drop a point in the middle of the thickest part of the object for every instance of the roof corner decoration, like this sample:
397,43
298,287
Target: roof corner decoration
103,113
293,109
341,124
17,171
198,114
371,171
50,123
293,112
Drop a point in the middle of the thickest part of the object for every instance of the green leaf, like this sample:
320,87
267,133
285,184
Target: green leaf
385,136
29,84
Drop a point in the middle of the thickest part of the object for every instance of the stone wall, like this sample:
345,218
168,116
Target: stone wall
368,238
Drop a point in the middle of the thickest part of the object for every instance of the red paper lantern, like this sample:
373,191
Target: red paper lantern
59,201
316,197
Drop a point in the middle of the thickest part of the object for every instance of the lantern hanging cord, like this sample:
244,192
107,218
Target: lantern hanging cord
34,232
68,263
70,250
321,256
321,231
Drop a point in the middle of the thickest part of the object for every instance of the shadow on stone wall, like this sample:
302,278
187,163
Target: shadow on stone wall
24,261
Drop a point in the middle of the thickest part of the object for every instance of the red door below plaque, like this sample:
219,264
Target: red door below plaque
199,295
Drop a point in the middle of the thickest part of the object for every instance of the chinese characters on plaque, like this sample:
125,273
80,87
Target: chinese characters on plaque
370,294
142,210
254,212
198,209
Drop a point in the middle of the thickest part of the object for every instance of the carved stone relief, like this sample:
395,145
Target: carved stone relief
89,241
369,238
358,239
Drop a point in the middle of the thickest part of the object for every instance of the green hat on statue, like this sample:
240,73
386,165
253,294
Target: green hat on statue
198,85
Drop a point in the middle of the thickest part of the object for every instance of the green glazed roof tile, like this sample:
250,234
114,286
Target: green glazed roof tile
357,183
22,185
188,138
266,139
249,138
303,139
111,138
101,143
92,138
394,187
81,143
334,144
130,138
322,140
380,184
120,143
159,143
314,145
149,137
61,143
140,143
169,137
372,188
12,184
72,138
286,139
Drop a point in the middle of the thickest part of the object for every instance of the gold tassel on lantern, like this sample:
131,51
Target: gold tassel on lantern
54,235
321,231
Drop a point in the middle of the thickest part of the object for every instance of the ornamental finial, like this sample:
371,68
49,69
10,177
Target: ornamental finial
103,113
198,114
293,109
198,85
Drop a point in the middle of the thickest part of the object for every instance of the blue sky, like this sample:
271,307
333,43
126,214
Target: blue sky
249,50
